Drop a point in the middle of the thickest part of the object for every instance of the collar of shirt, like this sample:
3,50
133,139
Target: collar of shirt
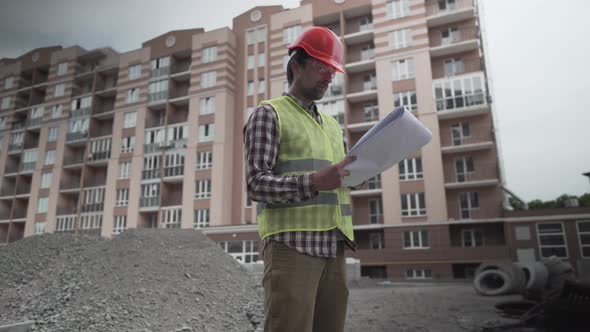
312,109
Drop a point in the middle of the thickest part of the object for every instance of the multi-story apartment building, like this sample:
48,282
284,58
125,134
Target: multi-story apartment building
99,141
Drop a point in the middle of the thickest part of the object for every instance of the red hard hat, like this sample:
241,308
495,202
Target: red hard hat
322,44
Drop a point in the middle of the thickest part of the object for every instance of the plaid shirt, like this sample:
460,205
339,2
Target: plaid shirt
261,142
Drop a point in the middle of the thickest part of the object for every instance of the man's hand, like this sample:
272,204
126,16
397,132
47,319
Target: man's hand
330,178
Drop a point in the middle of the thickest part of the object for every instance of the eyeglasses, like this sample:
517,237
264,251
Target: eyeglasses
322,68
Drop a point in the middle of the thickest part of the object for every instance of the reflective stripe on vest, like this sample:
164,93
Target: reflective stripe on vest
301,165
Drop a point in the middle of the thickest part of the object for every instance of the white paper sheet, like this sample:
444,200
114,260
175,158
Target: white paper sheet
387,143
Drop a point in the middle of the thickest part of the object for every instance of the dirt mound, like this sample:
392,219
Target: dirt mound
142,280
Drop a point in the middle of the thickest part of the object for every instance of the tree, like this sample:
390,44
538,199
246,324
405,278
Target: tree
516,204
584,200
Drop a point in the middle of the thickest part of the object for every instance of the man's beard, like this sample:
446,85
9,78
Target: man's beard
314,93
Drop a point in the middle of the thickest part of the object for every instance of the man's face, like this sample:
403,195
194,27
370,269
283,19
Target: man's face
314,79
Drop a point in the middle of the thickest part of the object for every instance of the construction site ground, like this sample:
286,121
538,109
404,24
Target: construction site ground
178,280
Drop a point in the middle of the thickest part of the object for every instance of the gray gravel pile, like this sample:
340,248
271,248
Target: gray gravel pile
143,280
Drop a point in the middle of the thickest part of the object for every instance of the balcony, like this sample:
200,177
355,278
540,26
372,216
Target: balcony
360,66
361,126
61,211
104,113
20,125
145,203
78,136
181,71
152,147
15,147
444,12
150,174
65,223
69,186
34,123
159,72
174,173
94,207
80,112
75,160
28,167
157,97
99,156
460,96
371,187
369,93
458,41
479,140
481,176
365,34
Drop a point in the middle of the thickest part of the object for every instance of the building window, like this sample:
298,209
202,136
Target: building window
334,109
290,34
250,88
204,160
207,105
376,211
56,111
62,69
160,66
584,235
124,169
407,99
413,205
158,91
403,69
410,169
39,227
261,86
453,67
449,35
209,54
206,132
129,119
203,189
46,180
128,144
8,82
400,39
398,8
201,218
262,34
371,112
261,59
417,274
472,238
374,182
468,201
552,240
459,132
208,79
376,240
52,134
134,72
60,90
464,169
42,205
416,240
49,157
5,103
459,92
171,218
119,225
370,82
251,37
250,62
444,5
122,197
132,95
242,251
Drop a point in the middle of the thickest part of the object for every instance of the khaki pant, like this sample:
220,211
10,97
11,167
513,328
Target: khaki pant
303,293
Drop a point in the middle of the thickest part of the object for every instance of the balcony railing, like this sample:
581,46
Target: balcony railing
81,112
18,125
66,223
66,211
157,96
181,67
15,146
94,207
148,174
159,72
34,122
441,69
152,147
478,135
76,136
149,201
101,155
448,6
28,166
174,170
480,172
70,185
75,159
23,190
453,36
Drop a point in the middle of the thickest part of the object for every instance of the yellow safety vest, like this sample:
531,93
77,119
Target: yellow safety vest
306,147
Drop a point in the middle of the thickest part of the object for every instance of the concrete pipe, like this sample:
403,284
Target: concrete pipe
535,275
504,279
559,271
499,265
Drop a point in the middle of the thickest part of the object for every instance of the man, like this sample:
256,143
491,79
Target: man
294,167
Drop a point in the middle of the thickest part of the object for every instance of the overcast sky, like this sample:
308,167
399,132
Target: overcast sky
537,58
